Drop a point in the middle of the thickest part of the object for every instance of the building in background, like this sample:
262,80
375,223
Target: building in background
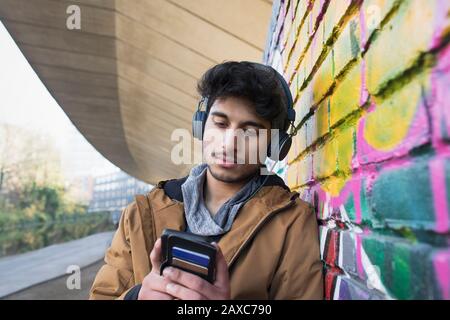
80,189
113,192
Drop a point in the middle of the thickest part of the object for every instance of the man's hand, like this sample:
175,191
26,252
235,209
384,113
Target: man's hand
187,286
154,286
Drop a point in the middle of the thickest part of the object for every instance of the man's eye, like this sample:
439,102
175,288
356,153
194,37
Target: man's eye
220,124
250,132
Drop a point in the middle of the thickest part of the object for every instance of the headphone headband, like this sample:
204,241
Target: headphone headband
285,87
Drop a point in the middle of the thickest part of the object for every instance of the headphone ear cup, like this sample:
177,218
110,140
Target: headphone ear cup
285,148
284,145
198,124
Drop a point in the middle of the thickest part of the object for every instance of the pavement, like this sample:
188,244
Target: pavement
45,273
56,289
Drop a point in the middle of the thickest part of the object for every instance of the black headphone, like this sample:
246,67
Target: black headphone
285,139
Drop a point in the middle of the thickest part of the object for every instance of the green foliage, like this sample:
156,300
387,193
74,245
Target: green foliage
66,228
41,215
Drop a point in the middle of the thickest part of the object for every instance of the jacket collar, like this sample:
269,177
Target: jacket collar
273,197
172,188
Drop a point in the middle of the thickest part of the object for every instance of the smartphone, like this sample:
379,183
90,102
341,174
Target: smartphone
189,252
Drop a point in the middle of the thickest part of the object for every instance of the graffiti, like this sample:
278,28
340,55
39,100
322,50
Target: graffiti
370,80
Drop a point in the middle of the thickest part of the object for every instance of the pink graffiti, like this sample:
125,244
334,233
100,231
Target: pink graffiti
440,104
442,8
441,264
357,200
439,190
418,134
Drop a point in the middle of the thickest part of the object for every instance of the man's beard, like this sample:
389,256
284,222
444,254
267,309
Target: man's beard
246,177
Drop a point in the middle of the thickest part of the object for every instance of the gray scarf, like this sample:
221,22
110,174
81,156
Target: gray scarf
199,220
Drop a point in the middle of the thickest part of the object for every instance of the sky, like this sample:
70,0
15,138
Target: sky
25,102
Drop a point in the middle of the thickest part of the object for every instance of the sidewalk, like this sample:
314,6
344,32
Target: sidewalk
24,270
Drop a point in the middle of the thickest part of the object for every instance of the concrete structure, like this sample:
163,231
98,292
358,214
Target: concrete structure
128,76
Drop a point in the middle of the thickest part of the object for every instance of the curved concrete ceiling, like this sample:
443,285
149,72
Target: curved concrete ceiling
128,77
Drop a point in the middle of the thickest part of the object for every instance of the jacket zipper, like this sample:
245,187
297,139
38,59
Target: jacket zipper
256,229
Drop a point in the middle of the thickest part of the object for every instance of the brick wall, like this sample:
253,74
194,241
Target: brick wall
371,80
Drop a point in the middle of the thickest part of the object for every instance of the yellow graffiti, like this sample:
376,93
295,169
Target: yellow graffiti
389,123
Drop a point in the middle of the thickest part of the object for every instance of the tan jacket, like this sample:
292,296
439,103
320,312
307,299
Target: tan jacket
272,249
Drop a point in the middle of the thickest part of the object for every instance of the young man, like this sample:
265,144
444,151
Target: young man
267,238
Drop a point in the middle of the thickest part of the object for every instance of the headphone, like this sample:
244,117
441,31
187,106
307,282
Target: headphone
284,138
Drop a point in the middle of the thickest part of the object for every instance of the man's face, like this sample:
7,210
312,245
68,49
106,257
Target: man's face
234,136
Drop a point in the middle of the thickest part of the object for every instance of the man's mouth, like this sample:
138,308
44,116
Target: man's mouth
225,162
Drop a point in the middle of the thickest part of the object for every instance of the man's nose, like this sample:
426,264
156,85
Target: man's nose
230,140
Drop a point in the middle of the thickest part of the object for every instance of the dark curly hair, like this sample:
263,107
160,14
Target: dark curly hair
256,83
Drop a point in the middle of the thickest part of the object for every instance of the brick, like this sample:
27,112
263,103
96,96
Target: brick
305,194
322,119
293,86
305,170
287,23
316,47
322,80
392,266
294,151
292,175
410,20
374,12
405,267
440,261
398,124
325,161
352,197
276,33
303,104
347,47
335,11
311,131
344,144
359,195
302,6
301,74
315,15
334,184
447,182
348,289
440,103
294,58
307,62
391,198
346,97
293,34
300,139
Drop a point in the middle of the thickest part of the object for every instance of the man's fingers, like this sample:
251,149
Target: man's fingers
152,283
155,282
155,256
155,295
188,280
183,293
222,276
